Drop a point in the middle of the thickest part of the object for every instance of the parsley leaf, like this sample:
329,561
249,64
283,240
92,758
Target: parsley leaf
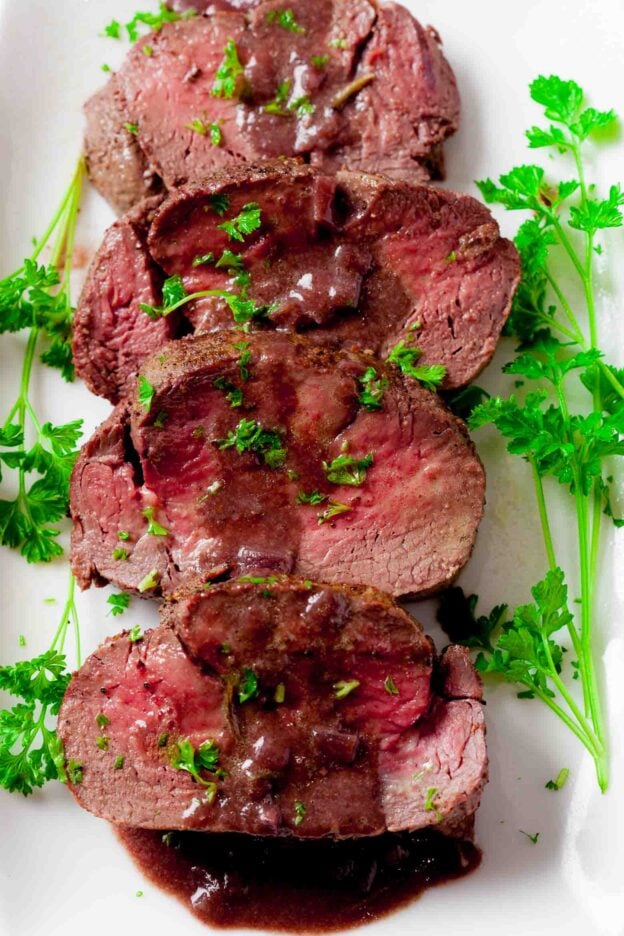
248,221
146,393
373,389
405,358
206,758
251,436
346,469
285,19
228,76
153,527
248,686
118,603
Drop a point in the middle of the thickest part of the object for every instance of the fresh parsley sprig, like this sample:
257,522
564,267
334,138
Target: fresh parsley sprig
30,751
153,21
38,298
566,221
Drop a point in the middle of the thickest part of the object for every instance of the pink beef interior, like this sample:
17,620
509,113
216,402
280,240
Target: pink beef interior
355,763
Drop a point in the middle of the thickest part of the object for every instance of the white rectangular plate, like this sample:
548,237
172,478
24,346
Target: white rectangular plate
60,869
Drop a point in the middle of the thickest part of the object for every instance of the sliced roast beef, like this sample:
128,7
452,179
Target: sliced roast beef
340,82
265,452
352,259
275,708
116,164
111,333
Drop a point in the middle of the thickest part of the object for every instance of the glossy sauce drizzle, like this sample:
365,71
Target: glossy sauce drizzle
230,881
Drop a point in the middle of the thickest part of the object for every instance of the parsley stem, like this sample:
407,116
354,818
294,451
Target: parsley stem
543,513
206,293
567,308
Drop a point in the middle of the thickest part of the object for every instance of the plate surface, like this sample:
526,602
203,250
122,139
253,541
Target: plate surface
62,870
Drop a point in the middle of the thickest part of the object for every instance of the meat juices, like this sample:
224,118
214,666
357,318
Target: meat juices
318,706
352,83
403,517
350,260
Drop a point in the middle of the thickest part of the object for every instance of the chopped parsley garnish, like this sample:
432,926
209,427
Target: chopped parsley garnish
390,686
248,686
219,203
314,497
233,394
319,61
163,739
118,603
285,19
101,720
346,469
101,743
151,581
300,812
113,30
227,78
334,510
560,780
279,696
74,771
132,128
120,554
248,221
146,393
135,635
185,757
119,762
203,259
278,104
197,126
259,579
153,527
343,688
373,388
231,261
216,134
153,21
123,535
531,838
244,359
173,293
339,43
251,436
405,358
430,806
148,50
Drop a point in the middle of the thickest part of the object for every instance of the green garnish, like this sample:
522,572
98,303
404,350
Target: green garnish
574,449
227,79
279,696
285,19
101,720
278,104
102,743
234,395
531,838
343,688
205,758
146,393
74,771
151,581
244,359
390,686
248,686
560,781
161,420
119,762
346,469
37,299
373,388
339,43
314,497
245,223
153,527
334,510
219,203
216,134
197,126
163,740
319,61
120,554
259,579
231,261
153,21
132,128
300,812
251,436
148,50
203,259
135,634
123,535
430,806
405,358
